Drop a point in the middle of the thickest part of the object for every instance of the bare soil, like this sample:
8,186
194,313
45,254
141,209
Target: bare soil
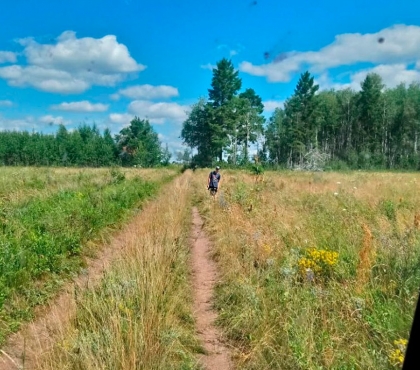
204,270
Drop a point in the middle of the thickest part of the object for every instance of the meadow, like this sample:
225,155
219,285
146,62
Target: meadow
51,220
318,270
139,315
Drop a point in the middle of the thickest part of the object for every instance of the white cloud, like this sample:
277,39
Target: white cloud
121,118
271,105
208,66
53,120
158,112
147,92
18,124
81,106
274,72
392,75
400,45
44,79
5,103
7,57
72,65
173,141
104,55
29,123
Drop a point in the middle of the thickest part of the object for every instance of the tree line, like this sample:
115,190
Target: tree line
137,144
376,127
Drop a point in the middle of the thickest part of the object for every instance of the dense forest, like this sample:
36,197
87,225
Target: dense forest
376,127
137,144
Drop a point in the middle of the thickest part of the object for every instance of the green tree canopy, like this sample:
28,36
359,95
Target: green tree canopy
139,144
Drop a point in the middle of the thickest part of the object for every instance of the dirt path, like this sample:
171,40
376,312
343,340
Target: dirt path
217,355
24,349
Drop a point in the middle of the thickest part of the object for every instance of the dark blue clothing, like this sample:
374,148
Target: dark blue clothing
214,179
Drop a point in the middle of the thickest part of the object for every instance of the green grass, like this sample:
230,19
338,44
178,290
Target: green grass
43,236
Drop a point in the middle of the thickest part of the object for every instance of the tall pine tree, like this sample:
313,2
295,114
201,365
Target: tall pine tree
225,85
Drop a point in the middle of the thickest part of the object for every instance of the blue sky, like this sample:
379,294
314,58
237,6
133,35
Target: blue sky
105,61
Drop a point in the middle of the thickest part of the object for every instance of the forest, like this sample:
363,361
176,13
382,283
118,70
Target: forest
374,128
135,145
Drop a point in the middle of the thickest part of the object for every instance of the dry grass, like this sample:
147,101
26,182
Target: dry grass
138,316
278,320
50,220
366,260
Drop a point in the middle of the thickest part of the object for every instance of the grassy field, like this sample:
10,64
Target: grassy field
50,219
139,316
319,270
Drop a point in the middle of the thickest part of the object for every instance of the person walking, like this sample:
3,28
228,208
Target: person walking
213,182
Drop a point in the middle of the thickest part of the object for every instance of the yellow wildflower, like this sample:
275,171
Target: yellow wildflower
396,357
320,261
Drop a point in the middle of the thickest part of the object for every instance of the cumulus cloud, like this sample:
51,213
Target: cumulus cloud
53,120
399,45
6,103
271,105
18,124
81,106
29,123
392,75
44,79
121,118
158,112
147,92
7,57
105,55
71,65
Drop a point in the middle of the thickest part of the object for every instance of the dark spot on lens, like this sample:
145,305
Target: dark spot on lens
381,40
280,57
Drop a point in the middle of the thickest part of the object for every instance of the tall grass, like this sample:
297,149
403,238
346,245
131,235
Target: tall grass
44,234
138,316
282,311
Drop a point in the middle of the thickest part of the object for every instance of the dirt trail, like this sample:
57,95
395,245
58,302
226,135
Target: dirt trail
204,279
24,349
